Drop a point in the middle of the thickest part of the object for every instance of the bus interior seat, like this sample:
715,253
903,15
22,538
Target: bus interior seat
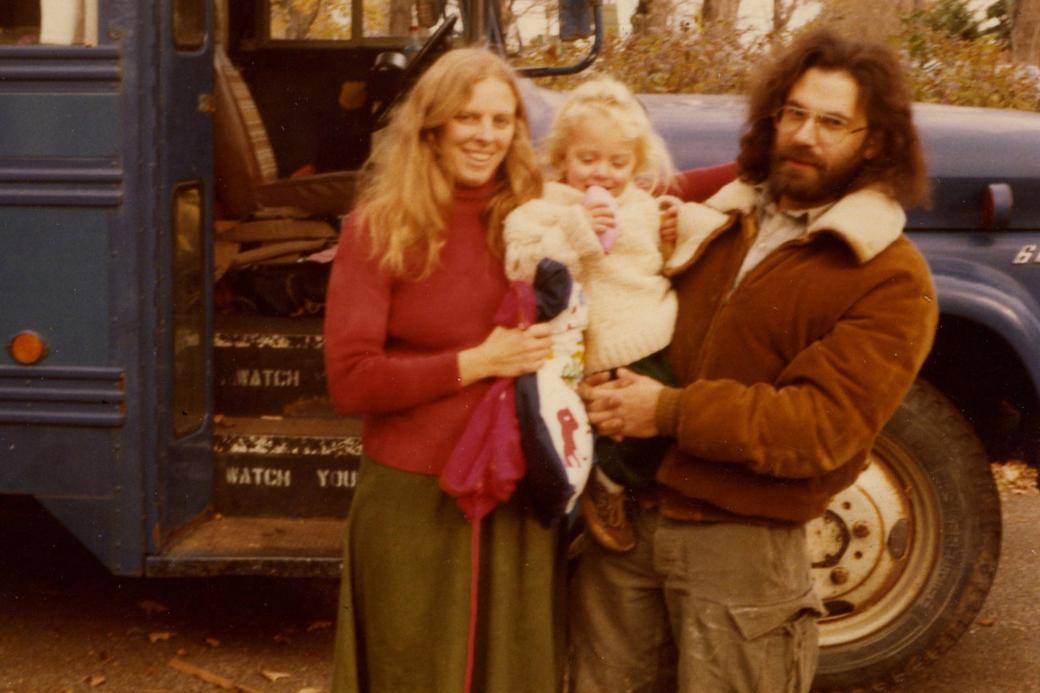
268,220
246,169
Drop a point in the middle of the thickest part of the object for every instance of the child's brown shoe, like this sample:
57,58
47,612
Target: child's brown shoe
606,516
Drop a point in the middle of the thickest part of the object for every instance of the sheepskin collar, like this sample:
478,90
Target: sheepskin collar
867,220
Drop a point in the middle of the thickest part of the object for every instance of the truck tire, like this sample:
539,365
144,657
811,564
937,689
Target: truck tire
903,560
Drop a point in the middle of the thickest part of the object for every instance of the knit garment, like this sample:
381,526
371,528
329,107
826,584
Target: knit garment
391,345
632,306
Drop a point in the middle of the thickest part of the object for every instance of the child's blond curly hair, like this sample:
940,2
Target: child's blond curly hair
605,97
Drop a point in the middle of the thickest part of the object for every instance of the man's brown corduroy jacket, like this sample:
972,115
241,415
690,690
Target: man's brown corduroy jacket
787,379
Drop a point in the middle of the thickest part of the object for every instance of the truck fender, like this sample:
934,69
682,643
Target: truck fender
995,300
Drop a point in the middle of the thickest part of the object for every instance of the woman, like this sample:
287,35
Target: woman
411,345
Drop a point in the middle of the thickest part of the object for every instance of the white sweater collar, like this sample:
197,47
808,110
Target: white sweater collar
562,193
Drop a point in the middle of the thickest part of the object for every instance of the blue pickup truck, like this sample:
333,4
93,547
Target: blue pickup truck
169,176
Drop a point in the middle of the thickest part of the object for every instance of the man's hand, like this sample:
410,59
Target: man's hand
624,407
669,230
598,405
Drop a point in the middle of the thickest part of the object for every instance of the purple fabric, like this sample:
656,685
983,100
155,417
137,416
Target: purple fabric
487,462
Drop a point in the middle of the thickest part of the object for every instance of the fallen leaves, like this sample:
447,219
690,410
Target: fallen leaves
151,607
208,676
1015,476
95,680
181,650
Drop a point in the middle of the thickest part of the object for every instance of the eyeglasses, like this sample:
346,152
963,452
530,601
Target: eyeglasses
830,129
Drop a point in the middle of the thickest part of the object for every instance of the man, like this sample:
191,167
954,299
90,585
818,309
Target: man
802,323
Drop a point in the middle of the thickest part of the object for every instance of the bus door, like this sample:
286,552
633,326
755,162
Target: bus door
183,481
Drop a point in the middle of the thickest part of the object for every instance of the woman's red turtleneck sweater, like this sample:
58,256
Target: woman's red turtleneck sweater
391,345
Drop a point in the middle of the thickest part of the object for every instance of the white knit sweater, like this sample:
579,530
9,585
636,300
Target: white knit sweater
631,303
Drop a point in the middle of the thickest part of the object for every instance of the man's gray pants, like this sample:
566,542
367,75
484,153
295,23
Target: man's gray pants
695,608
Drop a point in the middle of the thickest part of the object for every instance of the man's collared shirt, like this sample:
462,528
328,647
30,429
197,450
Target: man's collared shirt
775,227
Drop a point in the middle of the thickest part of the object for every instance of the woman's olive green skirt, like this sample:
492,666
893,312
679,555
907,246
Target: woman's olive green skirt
404,608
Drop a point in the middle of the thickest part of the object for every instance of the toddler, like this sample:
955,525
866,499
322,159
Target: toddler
606,230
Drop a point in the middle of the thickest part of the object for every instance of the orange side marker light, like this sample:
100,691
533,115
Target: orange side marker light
27,348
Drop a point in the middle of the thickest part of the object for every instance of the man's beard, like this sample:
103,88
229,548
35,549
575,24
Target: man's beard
828,185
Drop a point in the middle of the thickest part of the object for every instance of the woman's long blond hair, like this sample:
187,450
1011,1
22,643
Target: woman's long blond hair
406,191
605,97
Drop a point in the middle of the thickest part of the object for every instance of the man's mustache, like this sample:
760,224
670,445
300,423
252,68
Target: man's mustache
801,155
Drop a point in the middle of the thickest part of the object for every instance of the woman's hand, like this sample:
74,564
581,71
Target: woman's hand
506,353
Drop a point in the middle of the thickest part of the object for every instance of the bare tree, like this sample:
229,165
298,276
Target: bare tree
400,17
652,15
1025,31
783,10
716,11
872,21
301,17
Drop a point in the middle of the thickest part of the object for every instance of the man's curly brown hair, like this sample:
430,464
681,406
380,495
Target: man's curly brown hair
899,166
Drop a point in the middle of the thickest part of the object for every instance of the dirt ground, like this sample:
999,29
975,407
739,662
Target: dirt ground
67,625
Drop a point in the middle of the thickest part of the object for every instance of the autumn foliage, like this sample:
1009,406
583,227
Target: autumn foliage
943,67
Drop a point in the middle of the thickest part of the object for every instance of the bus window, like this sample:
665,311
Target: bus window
296,20
189,366
56,22
389,17
333,20
19,21
189,24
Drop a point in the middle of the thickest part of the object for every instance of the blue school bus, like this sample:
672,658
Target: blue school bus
171,177
167,168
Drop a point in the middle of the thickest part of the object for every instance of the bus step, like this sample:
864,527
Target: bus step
285,466
276,546
269,366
